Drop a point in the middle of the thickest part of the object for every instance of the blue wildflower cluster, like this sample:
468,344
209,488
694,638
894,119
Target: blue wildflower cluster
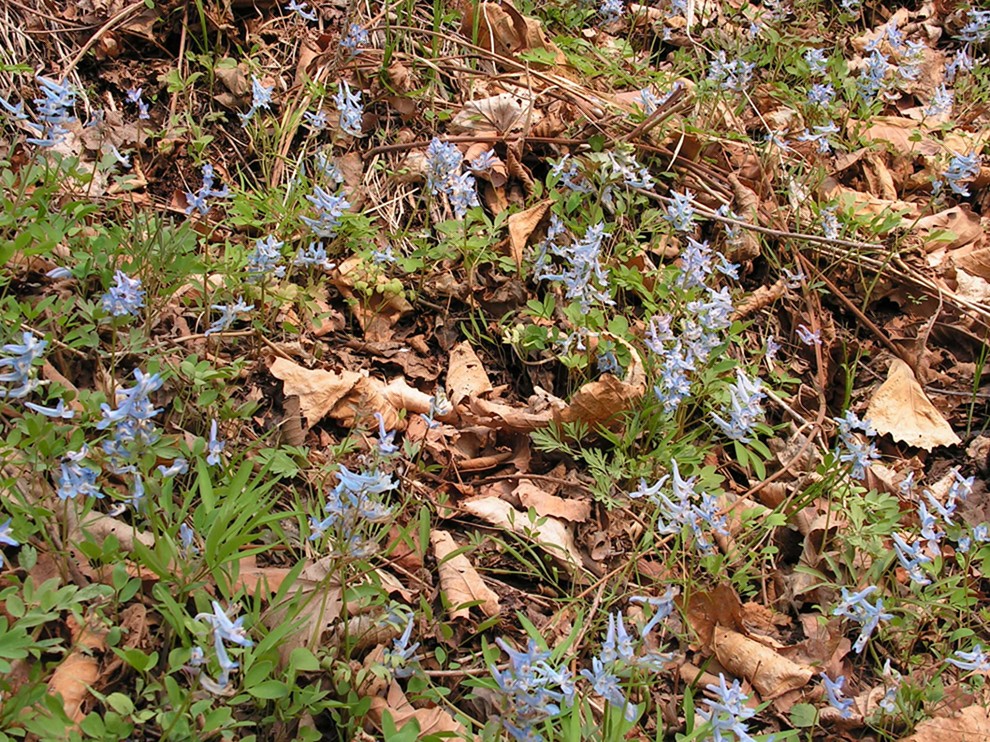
228,315
611,10
961,168
851,448
125,297
581,273
134,96
55,112
444,176
975,660
682,351
265,260
348,104
531,690
197,201
732,76
835,696
567,171
728,713
77,479
356,38
329,208
224,631
301,10
19,377
745,408
352,505
261,98
131,421
314,256
857,608
681,506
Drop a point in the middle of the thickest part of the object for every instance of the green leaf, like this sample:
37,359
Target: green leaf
804,715
270,689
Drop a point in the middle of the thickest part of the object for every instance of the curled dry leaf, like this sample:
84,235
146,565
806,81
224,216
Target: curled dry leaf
707,610
531,496
960,221
972,723
770,673
522,224
432,720
78,671
466,375
901,409
549,533
460,580
499,114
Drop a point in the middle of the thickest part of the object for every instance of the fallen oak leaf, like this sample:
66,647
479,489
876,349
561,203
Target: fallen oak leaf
531,496
460,580
769,672
900,408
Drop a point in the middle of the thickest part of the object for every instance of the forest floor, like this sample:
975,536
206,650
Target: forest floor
490,371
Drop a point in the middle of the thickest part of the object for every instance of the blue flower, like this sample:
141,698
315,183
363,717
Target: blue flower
973,661
314,256
197,201
444,176
20,377
178,466
214,447
300,10
330,207
611,10
54,111
728,712
618,644
662,607
228,315
16,111
134,96
911,558
349,107
186,536
76,480
582,274
873,79
6,538
265,258
833,691
732,76
680,210
386,444
355,39
941,103
856,607
745,408
816,60
977,28
806,336
224,629
261,97
962,167
606,684
125,297
59,410
398,657
531,690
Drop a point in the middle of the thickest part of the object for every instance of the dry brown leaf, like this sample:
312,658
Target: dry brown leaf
549,533
500,114
901,409
460,580
78,671
770,673
905,136
319,391
959,220
466,375
531,496
521,227
431,720
969,725
507,417
706,610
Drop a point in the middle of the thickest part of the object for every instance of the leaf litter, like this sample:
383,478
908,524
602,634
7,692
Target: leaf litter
524,349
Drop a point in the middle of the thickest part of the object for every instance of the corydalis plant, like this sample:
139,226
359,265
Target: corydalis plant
444,177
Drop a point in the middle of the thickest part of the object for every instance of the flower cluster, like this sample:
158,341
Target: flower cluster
856,607
531,690
125,297
567,171
398,657
973,661
224,630
733,76
54,113
611,10
444,176
134,96
314,256
582,273
351,505
836,698
19,376
961,168
745,408
727,712
228,315
131,421
684,507
261,97
329,207
355,39
300,9
265,260
348,104
197,201
76,479
851,448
